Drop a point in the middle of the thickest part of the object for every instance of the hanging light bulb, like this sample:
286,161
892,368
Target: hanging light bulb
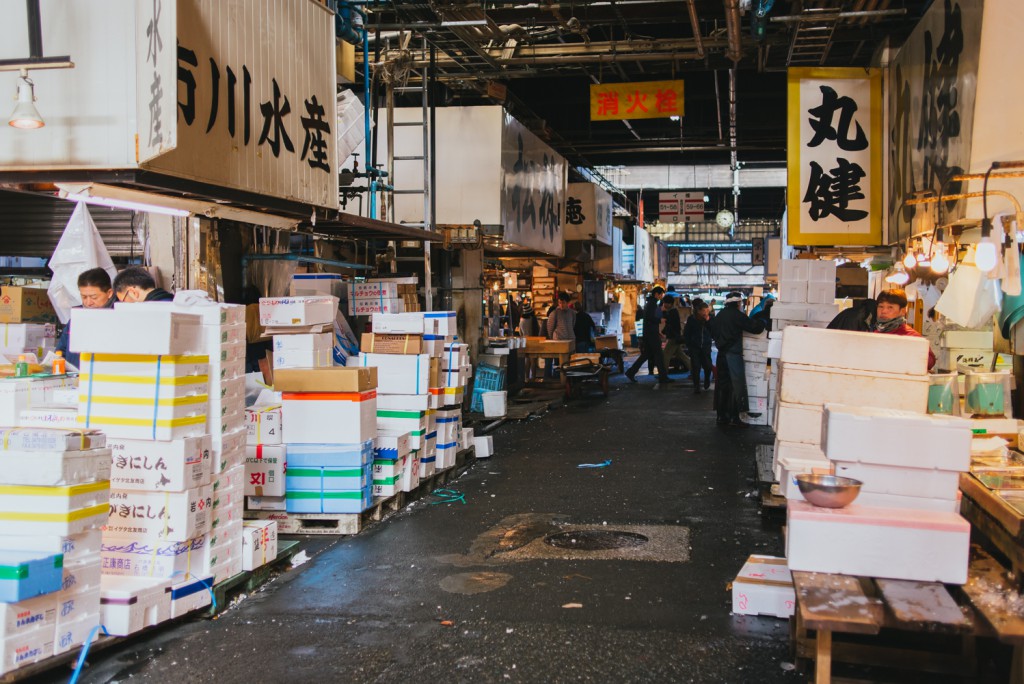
909,261
985,256
940,264
25,114
899,276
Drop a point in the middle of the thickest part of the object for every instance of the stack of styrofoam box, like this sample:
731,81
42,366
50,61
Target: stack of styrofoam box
807,293
32,401
374,297
755,365
820,366
223,339
145,381
265,459
774,358
390,454
971,348
456,369
405,402
764,586
329,422
26,338
904,524
54,487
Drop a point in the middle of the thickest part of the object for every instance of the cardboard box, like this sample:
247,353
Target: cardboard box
392,343
51,439
440,323
329,418
297,311
857,434
263,425
318,284
63,511
265,468
138,556
309,350
26,574
131,604
140,331
331,455
191,595
228,449
259,543
25,305
391,447
764,586
402,323
798,423
907,544
814,385
397,373
265,503
855,351
606,342
54,468
355,501
370,306
167,516
337,379
172,466
371,289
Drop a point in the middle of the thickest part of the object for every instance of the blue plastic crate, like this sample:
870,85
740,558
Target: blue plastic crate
489,378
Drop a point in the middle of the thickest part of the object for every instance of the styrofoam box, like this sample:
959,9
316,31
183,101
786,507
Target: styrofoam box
139,331
484,446
798,423
794,269
822,271
995,426
192,594
263,425
297,311
259,543
918,482
169,516
820,315
792,292
211,313
265,468
908,544
54,468
764,586
774,345
881,436
790,467
75,633
74,547
160,466
821,293
922,503
953,358
814,385
344,418
397,373
266,503
137,556
796,313
317,284
967,339
855,350
757,387
408,323
130,604
391,447
66,510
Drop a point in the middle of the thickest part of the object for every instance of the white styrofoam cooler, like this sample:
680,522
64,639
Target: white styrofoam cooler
798,423
815,385
901,481
855,350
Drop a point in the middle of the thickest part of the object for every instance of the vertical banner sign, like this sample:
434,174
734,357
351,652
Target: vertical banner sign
680,207
644,100
643,256
834,194
532,189
588,213
156,59
258,120
931,109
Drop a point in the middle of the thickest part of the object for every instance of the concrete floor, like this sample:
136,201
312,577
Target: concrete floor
447,592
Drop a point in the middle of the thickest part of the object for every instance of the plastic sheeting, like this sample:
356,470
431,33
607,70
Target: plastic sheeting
80,249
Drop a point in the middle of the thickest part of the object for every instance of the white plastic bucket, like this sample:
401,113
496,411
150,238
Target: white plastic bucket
494,404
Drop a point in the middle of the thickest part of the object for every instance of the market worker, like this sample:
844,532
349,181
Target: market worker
96,293
561,326
892,318
672,331
698,343
727,329
650,348
136,285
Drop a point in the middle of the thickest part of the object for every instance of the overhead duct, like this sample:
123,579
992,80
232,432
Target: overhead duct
732,25
695,25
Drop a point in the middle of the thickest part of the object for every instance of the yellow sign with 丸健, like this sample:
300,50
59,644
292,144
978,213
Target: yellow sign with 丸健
643,100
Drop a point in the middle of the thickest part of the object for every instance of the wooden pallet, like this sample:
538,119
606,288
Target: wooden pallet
354,523
248,580
763,456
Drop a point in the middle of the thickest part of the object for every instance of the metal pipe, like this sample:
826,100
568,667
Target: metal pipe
718,107
367,144
732,25
733,152
35,30
832,15
695,26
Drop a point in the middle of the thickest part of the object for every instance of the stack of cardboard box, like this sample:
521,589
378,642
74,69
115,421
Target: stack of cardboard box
265,459
374,297
26,338
910,465
820,366
54,486
807,293
148,388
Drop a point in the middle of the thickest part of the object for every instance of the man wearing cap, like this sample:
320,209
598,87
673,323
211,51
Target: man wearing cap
650,348
727,329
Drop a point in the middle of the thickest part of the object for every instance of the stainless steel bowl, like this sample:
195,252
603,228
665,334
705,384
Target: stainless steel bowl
828,491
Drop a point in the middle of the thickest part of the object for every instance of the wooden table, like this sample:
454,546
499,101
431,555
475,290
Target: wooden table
994,519
841,604
532,356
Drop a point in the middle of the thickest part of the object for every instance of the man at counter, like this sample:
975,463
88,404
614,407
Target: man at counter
96,293
892,318
136,285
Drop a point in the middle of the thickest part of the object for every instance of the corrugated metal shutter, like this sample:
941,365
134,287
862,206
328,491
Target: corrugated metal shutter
31,225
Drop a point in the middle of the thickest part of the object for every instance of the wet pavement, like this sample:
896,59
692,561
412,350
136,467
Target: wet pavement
460,592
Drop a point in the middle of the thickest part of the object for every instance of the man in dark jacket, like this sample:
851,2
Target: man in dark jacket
650,349
697,339
96,293
136,285
727,329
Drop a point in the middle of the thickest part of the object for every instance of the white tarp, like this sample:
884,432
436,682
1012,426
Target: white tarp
80,249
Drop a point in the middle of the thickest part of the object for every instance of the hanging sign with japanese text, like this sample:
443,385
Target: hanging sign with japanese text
156,60
834,193
533,180
642,100
257,120
680,207
643,256
588,213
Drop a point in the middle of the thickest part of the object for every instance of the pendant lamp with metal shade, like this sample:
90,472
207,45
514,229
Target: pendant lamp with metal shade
25,115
